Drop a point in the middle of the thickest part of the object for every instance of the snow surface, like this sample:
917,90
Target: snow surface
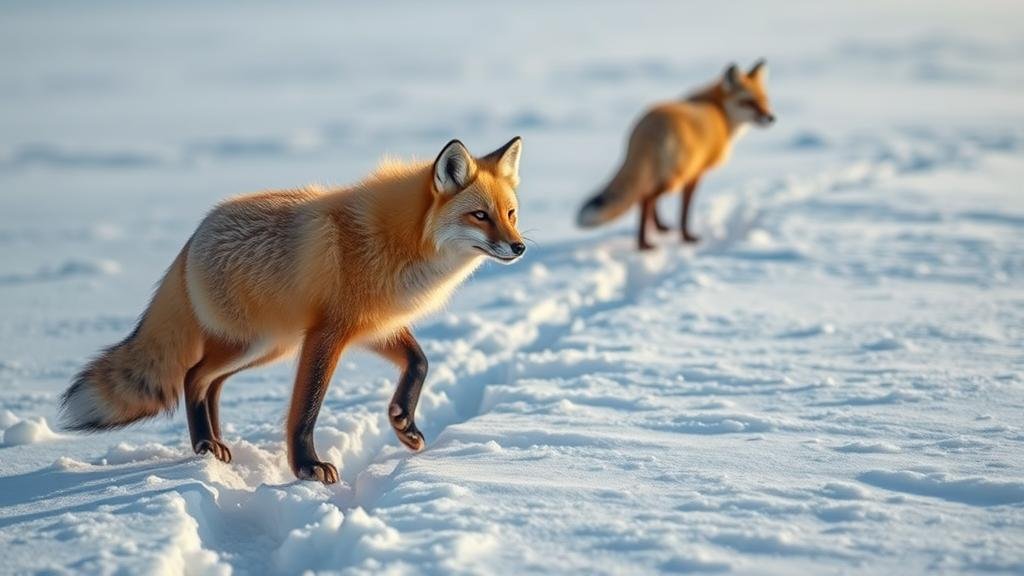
830,383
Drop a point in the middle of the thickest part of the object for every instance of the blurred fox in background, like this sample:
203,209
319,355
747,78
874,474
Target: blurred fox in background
311,268
675,143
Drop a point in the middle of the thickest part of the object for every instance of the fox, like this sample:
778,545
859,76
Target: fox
313,269
675,143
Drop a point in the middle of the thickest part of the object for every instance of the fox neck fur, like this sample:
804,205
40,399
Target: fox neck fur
714,96
377,244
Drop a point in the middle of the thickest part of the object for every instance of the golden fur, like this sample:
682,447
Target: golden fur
674,143
325,268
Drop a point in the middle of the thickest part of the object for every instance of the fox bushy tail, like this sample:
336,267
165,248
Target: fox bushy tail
633,180
142,375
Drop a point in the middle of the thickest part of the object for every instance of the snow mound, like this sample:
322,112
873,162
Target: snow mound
125,453
7,419
334,539
29,431
977,491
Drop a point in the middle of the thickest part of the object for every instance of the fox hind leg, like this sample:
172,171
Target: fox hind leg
203,384
218,358
213,404
646,206
213,394
655,219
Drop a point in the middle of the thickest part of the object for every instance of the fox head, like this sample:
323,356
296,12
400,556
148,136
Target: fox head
746,100
474,208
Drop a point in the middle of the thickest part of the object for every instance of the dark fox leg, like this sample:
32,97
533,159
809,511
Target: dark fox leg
405,352
319,358
213,404
655,219
645,216
688,191
217,356
213,394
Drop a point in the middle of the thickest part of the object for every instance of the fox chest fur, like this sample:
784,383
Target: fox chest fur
418,288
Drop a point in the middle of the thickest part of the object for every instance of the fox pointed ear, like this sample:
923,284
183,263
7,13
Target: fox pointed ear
731,78
454,168
759,72
506,159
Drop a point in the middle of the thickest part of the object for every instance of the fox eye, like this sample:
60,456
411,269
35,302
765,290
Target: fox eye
480,215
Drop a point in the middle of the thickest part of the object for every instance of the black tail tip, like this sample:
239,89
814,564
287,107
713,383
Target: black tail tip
590,213
80,409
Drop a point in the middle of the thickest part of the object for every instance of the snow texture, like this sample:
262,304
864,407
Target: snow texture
830,382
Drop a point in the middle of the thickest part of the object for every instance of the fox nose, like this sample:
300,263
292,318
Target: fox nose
518,248
769,118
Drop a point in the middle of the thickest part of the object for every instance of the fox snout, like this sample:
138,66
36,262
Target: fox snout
514,242
765,119
504,252
517,248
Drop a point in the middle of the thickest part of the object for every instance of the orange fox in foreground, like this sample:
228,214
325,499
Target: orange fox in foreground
319,269
675,143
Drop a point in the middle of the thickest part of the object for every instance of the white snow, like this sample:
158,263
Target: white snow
27,431
831,382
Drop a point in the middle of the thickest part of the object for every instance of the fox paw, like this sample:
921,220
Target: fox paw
320,471
406,429
219,449
690,238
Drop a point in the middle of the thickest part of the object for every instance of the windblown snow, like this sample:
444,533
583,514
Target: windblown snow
830,382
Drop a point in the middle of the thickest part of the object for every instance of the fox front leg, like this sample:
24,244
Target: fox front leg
319,358
684,218
405,352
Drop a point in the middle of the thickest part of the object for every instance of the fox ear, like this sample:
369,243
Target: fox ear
759,72
506,159
731,79
454,168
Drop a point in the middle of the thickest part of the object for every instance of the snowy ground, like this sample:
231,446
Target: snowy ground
830,383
